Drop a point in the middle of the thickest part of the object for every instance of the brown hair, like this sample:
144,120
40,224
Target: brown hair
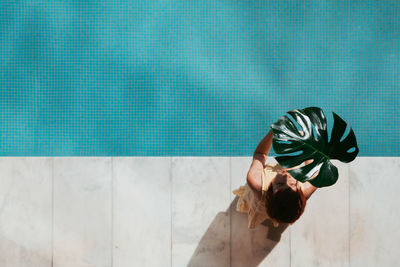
286,205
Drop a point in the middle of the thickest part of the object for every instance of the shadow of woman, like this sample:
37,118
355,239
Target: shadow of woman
229,242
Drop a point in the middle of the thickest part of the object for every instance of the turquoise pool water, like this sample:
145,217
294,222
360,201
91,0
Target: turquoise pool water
192,78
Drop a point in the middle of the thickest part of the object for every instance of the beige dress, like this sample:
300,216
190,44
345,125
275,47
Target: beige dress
249,202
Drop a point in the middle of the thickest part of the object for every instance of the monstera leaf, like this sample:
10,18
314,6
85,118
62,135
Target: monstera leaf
313,144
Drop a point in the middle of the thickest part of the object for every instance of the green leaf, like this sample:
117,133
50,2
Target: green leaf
296,148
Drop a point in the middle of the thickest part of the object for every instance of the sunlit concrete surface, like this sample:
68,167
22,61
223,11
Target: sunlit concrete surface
179,211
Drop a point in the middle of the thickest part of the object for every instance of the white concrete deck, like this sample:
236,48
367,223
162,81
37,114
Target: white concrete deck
127,211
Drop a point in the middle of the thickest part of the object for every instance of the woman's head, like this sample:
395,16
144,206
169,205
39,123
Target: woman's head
285,201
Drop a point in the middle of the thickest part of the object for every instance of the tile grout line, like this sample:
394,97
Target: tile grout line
112,211
229,212
290,246
170,205
349,220
52,211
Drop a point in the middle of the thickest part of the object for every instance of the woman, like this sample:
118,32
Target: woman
271,192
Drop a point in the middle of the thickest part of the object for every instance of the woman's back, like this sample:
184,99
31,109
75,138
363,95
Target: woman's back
251,202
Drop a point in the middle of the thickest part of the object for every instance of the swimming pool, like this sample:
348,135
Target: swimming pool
177,78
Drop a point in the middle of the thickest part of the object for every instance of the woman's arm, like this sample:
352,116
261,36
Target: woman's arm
264,146
307,188
254,176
